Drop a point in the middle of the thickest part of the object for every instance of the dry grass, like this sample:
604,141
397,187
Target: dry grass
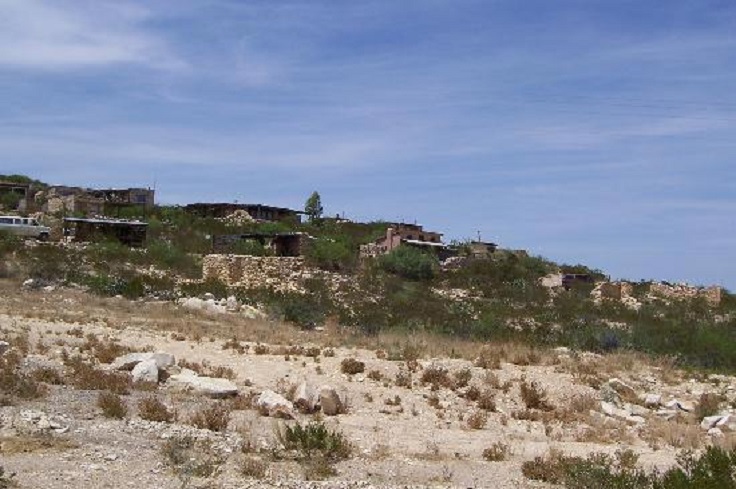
534,396
12,445
477,420
252,468
84,376
709,404
112,405
152,409
498,452
205,369
214,417
351,366
676,433
486,401
15,385
48,375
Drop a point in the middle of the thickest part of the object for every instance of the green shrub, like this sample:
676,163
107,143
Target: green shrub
315,440
715,468
330,254
409,263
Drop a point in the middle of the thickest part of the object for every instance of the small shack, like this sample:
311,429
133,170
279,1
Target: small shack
130,233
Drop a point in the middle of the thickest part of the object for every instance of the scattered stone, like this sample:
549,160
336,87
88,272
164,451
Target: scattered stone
4,346
275,405
146,371
330,401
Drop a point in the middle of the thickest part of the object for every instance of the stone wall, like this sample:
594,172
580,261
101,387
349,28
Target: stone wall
284,274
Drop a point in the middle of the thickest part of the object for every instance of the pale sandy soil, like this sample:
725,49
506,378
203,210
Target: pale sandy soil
412,443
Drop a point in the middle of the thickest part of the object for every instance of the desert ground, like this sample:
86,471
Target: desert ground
413,410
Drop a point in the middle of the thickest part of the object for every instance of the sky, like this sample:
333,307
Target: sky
587,131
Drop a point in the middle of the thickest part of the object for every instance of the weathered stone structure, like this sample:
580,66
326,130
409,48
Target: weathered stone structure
284,274
615,290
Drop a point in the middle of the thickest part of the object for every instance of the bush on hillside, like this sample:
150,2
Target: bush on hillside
409,263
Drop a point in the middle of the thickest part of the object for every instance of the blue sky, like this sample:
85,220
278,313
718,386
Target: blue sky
594,131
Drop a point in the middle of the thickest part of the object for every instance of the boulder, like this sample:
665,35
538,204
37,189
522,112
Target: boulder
305,398
715,433
652,400
269,403
329,401
637,410
207,386
232,304
682,406
145,371
4,346
127,362
163,360
716,421
622,388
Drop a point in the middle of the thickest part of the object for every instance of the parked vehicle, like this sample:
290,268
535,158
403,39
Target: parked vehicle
24,226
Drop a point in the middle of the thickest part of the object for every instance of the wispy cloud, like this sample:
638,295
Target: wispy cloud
63,35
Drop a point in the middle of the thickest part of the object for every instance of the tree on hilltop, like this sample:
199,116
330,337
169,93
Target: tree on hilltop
313,206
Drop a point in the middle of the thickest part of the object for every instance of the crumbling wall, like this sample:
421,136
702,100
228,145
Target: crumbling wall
283,274
615,290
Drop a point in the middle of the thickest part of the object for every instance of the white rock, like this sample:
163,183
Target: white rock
208,386
145,371
709,422
652,400
637,410
4,346
715,433
330,401
163,360
127,362
667,414
269,403
305,398
675,404
231,304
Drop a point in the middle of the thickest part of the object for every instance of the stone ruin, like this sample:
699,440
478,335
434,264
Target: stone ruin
282,274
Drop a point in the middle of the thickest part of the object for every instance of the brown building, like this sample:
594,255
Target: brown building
259,212
407,235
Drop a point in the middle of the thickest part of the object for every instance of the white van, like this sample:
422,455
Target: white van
25,227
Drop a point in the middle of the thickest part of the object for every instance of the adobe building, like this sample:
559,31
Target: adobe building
406,235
